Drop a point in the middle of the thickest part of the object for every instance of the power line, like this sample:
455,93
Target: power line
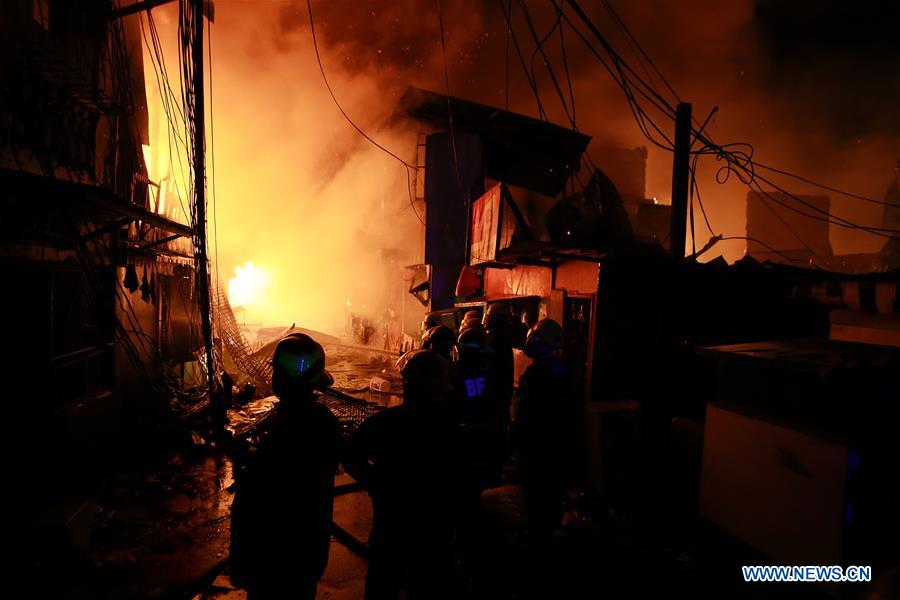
449,103
562,48
828,217
694,188
212,150
167,96
532,79
743,166
507,15
762,243
539,48
826,187
624,28
621,65
506,68
621,78
543,39
741,162
312,29
737,157
406,165
412,202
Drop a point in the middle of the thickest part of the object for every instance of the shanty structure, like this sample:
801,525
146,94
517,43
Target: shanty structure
97,269
500,203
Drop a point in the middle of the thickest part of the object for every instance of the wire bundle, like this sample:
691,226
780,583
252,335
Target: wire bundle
644,96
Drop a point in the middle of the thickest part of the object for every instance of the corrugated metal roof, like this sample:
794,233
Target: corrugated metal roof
519,150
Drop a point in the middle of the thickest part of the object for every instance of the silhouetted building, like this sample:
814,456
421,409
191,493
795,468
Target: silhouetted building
97,281
783,233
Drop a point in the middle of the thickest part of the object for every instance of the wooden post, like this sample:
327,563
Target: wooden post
680,180
203,284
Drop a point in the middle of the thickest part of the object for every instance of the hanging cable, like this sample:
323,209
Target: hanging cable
167,102
539,49
506,66
764,244
449,103
212,153
737,158
507,15
624,28
827,187
312,29
562,49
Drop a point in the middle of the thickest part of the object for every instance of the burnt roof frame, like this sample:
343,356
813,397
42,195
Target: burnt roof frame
519,150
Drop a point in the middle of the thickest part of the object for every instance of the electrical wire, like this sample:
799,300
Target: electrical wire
624,28
539,49
627,73
613,65
531,78
212,152
737,158
312,28
353,124
565,59
542,40
741,162
696,189
449,103
157,61
507,15
506,66
762,243
826,187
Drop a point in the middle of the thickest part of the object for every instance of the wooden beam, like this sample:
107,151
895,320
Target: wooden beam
137,7
99,232
209,9
140,214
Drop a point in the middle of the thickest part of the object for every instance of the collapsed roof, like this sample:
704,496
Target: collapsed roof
518,150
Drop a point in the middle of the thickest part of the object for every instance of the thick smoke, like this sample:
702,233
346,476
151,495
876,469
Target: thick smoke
303,196
298,192
812,85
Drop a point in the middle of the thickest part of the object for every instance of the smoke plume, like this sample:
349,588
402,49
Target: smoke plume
306,198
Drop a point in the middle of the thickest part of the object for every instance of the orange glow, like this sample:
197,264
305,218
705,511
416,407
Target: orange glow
248,286
295,188
290,185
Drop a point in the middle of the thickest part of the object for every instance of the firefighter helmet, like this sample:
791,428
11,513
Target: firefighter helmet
299,363
472,338
440,339
544,339
430,320
424,374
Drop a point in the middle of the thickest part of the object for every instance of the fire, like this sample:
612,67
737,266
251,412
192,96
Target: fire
247,287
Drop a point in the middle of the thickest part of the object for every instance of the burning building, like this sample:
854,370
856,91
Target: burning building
756,395
99,299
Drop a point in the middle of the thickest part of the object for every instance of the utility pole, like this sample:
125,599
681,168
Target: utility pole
680,180
203,294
